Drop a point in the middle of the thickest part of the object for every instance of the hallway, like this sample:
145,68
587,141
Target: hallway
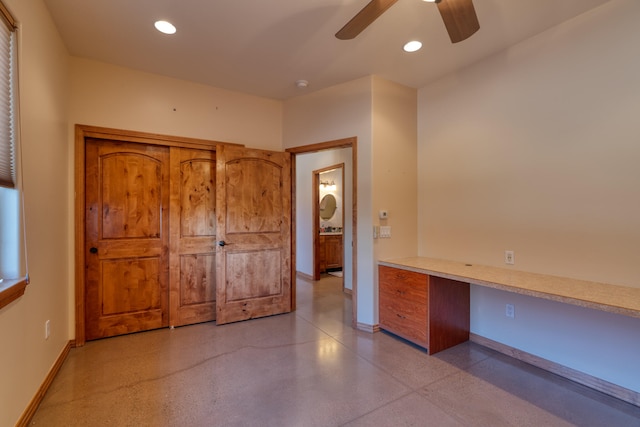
309,368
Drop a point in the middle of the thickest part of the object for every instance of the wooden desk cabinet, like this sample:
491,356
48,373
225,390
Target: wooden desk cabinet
432,312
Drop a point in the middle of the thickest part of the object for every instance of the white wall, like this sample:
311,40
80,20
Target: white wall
382,115
342,111
395,173
536,150
26,357
305,165
116,97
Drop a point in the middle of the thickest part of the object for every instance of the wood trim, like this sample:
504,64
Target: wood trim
354,240
11,290
82,132
367,328
590,381
292,224
8,17
79,206
148,138
315,228
329,145
31,409
304,276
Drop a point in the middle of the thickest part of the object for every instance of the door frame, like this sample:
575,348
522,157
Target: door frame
351,142
82,132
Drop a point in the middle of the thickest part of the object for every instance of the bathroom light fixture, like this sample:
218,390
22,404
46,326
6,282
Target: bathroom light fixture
412,46
328,186
165,27
301,84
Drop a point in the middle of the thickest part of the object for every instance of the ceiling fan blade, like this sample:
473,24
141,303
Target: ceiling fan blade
459,17
364,18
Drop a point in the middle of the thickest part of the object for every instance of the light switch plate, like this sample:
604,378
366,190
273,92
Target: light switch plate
385,231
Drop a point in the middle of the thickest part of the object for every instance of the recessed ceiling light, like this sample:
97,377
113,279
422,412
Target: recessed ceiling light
165,27
412,46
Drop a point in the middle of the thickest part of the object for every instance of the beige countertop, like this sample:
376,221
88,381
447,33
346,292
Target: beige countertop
612,298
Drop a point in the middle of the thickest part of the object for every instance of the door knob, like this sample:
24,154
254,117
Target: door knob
93,250
221,243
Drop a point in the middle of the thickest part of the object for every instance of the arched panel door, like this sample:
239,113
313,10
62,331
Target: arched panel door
193,236
126,238
253,233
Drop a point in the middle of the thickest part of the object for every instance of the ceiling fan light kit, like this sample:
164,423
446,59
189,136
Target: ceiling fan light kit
459,17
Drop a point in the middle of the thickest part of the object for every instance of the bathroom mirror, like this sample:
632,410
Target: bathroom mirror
327,206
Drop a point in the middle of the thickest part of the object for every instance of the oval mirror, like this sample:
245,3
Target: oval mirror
327,206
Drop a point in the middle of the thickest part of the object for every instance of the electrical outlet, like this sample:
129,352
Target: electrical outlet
47,329
510,311
509,257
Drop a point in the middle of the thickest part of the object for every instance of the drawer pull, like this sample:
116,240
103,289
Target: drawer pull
401,316
400,291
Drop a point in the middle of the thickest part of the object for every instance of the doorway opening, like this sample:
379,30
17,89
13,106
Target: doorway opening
306,161
327,219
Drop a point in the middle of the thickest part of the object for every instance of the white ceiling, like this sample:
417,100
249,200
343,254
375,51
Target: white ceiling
262,47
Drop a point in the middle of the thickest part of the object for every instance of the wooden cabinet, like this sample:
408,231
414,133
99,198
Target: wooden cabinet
333,251
430,311
322,257
330,252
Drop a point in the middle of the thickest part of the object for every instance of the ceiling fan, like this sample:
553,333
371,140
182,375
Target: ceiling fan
459,18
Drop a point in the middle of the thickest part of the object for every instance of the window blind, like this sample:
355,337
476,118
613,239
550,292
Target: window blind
7,66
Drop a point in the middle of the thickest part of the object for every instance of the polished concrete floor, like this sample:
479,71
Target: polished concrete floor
309,368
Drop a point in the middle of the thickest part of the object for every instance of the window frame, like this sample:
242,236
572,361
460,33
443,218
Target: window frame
14,288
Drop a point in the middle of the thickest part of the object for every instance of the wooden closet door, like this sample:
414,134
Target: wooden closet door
126,237
254,233
193,235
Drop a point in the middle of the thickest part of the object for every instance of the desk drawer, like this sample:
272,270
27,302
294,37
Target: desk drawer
403,303
402,284
406,319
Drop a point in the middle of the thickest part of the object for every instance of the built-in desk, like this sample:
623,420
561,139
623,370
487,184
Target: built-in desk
601,296
410,289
